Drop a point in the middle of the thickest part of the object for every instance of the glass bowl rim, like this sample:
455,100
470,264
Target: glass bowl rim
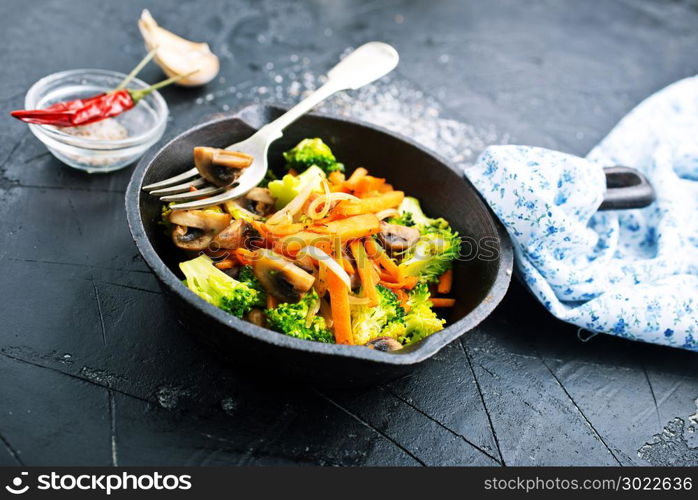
35,93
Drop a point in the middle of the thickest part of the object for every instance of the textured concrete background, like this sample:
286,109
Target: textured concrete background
95,371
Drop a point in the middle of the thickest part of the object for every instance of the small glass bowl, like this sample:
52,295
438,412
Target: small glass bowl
144,124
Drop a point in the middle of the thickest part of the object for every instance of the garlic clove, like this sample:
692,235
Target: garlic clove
177,55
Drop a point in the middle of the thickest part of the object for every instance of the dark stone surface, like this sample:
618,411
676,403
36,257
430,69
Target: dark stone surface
94,369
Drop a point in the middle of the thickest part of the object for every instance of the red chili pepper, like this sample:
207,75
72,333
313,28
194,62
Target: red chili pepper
93,109
80,111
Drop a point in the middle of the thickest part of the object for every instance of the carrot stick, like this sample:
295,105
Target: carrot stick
336,178
372,205
363,264
376,252
408,283
442,302
225,264
368,184
350,228
445,282
355,176
291,244
244,256
341,316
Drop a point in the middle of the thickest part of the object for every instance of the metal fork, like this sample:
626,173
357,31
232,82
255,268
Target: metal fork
366,64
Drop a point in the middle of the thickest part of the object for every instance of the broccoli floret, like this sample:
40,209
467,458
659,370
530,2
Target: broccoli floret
421,321
247,276
411,214
217,288
311,152
404,219
292,319
287,188
437,248
383,320
433,254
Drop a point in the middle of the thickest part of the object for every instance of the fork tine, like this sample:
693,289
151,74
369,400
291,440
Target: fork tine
213,200
172,180
193,194
179,188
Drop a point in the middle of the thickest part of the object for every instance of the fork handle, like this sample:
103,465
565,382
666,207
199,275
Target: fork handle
366,64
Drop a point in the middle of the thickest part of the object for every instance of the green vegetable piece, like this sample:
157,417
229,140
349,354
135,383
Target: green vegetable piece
292,319
288,187
311,152
217,288
421,321
383,320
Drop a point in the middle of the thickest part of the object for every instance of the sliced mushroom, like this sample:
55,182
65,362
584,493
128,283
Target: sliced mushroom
203,219
262,195
191,238
385,344
279,277
257,201
220,167
235,235
397,237
195,229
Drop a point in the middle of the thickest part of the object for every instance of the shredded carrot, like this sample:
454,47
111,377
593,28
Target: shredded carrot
341,315
445,282
442,302
363,265
227,263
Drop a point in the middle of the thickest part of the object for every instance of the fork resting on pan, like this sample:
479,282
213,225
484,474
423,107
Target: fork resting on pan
366,64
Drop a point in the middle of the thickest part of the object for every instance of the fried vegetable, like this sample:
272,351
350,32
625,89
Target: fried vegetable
292,319
432,255
371,205
383,320
311,152
285,189
421,321
411,214
195,229
280,277
217,288
220,167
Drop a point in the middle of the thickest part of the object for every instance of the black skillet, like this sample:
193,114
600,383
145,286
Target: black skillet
481,277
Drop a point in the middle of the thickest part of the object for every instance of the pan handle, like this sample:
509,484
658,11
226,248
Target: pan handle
626,188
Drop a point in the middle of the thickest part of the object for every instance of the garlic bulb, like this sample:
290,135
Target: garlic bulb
178,56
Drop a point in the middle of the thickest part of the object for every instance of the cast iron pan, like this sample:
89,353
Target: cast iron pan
481,279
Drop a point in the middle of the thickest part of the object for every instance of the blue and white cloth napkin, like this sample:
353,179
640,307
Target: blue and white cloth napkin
630,273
